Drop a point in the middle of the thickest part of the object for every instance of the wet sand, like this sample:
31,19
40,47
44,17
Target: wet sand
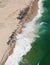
9,22
9,10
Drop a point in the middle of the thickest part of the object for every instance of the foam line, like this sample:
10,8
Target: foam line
24,40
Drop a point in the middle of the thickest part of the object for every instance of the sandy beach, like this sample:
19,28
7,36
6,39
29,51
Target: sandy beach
8,20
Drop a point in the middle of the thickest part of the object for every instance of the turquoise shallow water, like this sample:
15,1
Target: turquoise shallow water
40,51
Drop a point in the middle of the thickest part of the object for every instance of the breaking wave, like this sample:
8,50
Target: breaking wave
24,41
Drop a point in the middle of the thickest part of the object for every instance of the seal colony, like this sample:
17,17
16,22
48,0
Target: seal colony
29,15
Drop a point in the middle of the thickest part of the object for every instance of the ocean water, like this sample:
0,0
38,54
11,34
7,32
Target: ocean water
33,44
40,51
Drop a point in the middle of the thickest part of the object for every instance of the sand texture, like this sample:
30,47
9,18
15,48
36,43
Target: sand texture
12,22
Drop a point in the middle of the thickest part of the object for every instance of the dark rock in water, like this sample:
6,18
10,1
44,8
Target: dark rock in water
23,13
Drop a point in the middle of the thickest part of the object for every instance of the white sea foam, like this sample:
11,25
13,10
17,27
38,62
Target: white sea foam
38,64
24,40
40,6
23,43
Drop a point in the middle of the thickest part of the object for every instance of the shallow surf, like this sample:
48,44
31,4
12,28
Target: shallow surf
25,40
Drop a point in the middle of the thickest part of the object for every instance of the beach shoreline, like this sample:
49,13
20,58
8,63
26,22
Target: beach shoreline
28,18
8,21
